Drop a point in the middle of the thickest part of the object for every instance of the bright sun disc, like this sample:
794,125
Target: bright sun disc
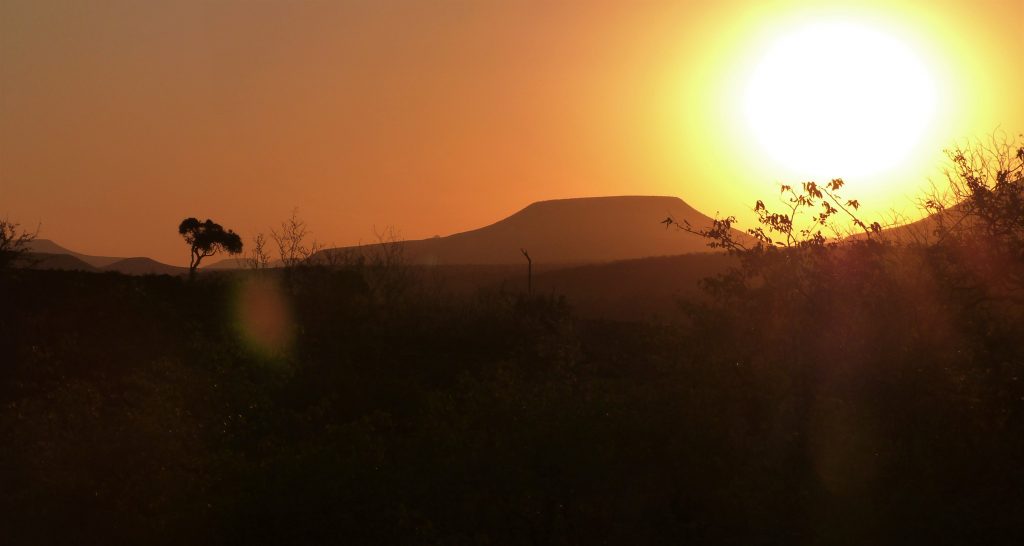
837,99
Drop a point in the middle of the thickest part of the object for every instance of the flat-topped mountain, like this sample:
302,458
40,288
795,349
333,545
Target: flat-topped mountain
567,231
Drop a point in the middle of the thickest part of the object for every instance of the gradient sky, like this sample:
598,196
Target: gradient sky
120,118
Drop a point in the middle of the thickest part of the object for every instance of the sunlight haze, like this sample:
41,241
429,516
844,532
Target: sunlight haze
118,119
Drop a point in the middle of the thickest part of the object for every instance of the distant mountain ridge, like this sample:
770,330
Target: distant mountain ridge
568,231
561,232
67,262
49,255
46,246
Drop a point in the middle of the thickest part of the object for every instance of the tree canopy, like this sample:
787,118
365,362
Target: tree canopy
206,239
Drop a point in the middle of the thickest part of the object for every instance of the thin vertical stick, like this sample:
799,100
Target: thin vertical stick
529,271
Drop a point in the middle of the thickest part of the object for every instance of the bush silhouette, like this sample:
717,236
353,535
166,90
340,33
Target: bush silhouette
980,213
14,243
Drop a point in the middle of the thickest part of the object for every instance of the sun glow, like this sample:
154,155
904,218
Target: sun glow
835,98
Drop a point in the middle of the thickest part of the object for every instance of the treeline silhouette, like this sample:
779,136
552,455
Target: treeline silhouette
823,391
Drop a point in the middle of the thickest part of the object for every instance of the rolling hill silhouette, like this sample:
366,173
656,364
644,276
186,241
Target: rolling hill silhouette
67,262
567,231
47,254
144,266
46,246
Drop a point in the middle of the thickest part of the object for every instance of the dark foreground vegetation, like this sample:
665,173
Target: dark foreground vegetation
857,393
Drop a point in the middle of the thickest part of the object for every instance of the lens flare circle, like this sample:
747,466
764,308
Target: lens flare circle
263,316
839,99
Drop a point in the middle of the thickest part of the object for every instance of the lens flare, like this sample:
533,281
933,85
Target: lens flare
263,316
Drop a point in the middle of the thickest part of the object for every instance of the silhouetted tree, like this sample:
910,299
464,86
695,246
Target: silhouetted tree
984,194
386,268
258,257
206,239
292,249
980,213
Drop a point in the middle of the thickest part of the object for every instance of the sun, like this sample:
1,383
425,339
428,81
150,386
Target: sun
839,99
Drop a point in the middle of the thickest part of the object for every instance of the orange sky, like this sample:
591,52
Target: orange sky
120,118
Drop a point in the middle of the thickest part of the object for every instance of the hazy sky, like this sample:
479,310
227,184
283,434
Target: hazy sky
120,118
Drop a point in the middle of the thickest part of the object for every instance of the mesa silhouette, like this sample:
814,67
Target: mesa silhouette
558,232
568,231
